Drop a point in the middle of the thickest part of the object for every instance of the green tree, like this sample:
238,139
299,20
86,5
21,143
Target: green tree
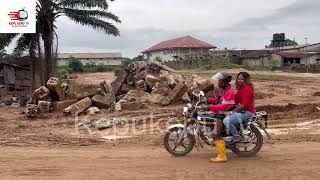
92,13
287,42
75,65
272,64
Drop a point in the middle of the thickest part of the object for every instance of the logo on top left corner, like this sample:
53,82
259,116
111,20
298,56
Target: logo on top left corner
18,18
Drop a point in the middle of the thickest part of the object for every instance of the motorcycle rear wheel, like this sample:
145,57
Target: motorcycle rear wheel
256,149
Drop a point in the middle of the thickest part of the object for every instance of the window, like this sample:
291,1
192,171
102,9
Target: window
169,51
184,51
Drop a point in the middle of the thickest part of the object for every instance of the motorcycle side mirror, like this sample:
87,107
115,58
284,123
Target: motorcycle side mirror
201,93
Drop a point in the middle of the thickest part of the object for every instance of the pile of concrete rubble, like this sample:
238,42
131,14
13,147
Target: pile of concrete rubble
134,88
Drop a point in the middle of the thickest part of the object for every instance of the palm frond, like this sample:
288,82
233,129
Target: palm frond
24,43
6,39
84,3
95,23
92,13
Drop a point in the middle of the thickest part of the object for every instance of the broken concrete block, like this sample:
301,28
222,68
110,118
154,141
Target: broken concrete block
197,79
178,78
92,111
82,95
151,80
44,106
157,66
78,107
61,105
137,96
130,80
106,87
141,85
41,93
140,76
31,110
126,88
103,101
118,98
160,88
58,92
171,78
159,99
52,82
136,66
178,91
117,83
186,98
206,86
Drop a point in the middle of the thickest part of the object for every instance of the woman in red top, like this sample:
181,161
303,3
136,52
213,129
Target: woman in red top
245,98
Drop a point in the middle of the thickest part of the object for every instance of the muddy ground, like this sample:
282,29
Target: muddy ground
54,147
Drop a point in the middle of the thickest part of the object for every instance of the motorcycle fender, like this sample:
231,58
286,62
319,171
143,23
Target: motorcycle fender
177,126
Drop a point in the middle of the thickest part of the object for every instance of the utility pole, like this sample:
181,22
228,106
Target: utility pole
306,51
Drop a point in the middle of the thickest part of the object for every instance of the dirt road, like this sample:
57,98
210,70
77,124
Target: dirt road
52,146
275,161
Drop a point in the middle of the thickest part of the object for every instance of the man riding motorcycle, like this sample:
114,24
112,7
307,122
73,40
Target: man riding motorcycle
224,102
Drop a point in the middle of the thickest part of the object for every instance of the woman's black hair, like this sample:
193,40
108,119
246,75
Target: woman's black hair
247,78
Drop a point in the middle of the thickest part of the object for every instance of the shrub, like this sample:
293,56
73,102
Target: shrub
62,71
318,66
75,65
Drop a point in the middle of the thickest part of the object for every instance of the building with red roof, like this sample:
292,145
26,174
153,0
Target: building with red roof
177,49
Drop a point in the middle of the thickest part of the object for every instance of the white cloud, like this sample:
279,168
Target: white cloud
229,23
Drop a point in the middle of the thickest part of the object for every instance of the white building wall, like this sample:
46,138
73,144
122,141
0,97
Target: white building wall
309,60
169,55
64,62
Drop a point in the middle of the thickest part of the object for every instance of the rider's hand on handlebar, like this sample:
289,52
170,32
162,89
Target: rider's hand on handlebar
203,107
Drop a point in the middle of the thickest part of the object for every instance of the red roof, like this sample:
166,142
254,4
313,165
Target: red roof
292,54
182,42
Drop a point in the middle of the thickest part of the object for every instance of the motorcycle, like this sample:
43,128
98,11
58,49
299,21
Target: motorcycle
198,127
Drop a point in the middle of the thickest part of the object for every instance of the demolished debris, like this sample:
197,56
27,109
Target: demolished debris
31,110
134,87
78,107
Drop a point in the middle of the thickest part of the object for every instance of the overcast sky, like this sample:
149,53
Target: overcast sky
245,24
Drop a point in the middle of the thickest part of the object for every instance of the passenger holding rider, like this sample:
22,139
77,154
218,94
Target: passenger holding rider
222,103
245,110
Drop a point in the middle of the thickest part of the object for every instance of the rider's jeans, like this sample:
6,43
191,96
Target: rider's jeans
236,118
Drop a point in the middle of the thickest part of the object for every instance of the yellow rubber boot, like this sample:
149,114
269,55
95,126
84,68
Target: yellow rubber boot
221,150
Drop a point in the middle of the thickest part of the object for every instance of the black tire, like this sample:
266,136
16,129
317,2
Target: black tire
256,149
175,153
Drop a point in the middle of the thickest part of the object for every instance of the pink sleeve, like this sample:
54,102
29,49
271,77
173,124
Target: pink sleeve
213,100
220,107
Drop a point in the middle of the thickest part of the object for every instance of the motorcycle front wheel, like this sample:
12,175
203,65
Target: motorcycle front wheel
182,149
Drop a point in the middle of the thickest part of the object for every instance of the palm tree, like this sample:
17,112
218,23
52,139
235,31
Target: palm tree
92,13
3,53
